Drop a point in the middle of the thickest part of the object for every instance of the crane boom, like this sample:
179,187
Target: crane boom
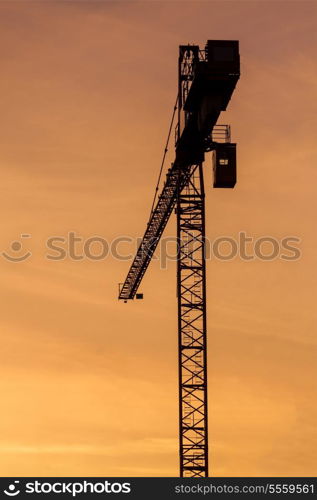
176,178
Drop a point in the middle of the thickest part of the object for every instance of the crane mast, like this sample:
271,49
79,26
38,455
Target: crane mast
192,331
206,81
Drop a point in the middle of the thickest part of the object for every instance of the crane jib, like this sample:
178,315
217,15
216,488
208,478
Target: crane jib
175,180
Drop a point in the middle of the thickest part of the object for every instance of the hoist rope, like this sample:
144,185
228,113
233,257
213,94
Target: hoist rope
164,155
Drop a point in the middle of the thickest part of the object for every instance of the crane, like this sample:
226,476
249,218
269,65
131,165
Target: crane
206,80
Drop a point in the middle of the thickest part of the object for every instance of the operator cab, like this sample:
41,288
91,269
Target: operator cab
225,165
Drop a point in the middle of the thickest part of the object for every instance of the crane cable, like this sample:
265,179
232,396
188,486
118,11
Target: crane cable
164,155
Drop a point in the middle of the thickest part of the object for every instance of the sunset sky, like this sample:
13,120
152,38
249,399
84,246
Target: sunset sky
89,384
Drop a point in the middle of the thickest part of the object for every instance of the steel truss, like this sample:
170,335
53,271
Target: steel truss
192,334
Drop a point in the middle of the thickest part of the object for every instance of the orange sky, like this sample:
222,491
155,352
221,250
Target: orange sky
89,385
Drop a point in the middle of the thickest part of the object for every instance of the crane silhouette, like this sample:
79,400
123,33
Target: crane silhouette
206,80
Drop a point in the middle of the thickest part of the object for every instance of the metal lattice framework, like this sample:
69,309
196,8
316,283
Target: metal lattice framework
175,179
206,81
191,283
